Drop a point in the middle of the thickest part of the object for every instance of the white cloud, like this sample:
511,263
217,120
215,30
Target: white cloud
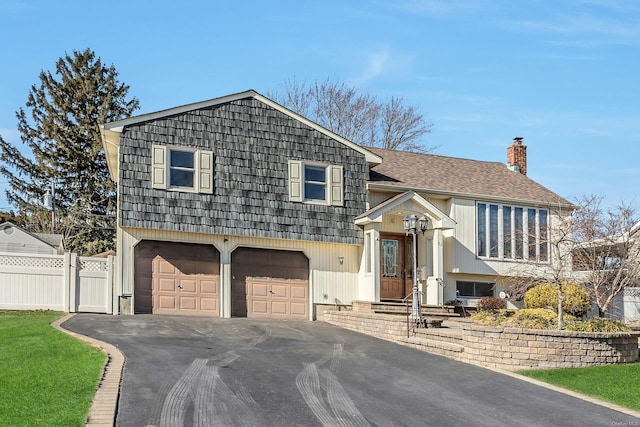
383,62
376,64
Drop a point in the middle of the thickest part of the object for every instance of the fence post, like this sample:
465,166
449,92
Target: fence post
73,283
110,284
66,279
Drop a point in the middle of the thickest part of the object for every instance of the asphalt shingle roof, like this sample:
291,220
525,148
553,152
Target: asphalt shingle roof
451,175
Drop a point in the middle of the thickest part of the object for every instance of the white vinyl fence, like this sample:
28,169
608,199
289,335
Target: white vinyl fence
631,304
57,282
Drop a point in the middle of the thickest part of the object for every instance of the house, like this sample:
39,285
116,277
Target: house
610,266
15,239
237,206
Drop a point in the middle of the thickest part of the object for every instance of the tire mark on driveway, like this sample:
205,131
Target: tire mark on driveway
200,387
180,395
339,409
216,404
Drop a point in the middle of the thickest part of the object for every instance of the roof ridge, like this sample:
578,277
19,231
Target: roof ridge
429,154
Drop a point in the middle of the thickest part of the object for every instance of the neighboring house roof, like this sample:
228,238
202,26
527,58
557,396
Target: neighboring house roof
111,131
54,240
450,176
32,242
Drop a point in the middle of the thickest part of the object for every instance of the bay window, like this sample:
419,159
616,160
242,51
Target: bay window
512,232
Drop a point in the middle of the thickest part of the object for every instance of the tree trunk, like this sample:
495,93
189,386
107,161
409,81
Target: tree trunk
560,298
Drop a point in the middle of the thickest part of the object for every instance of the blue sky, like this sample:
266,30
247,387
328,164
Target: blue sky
562,74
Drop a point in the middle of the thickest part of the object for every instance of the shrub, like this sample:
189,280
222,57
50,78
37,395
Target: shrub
528,318
491,304
597,325
577,300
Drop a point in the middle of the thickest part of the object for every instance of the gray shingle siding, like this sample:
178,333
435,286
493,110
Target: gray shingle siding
252,144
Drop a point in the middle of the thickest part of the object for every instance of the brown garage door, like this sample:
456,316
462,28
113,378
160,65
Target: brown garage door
177,278
269,283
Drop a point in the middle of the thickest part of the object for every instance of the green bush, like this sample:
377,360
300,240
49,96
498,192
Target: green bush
528,318
545,318
491,304
597,324
577,300
537,318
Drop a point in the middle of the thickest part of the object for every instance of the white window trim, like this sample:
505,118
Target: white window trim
327,186
525,231
334,183
202,169
475,283
196,168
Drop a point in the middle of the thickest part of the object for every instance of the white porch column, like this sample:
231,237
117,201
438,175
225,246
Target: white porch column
225,283
435,292
369,287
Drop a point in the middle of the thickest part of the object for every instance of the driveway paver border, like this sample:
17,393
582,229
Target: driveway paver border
105,402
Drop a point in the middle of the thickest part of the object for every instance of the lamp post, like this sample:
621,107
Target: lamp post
411,224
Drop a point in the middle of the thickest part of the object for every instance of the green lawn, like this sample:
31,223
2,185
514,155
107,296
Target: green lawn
619,384
46,377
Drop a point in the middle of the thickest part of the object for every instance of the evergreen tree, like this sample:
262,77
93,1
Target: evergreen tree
63,149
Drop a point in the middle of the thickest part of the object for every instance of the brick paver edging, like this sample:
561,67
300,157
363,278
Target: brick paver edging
105,402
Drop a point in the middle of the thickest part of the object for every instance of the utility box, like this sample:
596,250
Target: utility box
422,273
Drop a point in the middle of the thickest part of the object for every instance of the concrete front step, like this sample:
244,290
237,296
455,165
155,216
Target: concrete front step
400,306
425,313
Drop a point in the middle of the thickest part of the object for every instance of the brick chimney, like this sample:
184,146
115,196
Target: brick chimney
517,156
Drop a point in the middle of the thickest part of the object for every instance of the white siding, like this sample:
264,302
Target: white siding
333,268
461,262
13,239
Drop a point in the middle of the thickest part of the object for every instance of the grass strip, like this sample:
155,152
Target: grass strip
619,384
46,377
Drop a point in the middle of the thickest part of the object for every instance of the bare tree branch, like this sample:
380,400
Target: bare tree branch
358,117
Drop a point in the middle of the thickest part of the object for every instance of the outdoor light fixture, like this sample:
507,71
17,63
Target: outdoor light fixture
411,224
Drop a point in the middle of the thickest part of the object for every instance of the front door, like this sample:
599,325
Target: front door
396,263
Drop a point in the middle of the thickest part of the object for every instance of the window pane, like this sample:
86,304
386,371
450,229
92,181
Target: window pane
506,227
409,256
465,289
314,191
182,159
531,226
390,258
181,178
542,214
315,185
482,229
519,231
493,231
484,290
314,173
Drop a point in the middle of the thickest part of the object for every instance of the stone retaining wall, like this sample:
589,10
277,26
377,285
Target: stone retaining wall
516,348
385,326
504,348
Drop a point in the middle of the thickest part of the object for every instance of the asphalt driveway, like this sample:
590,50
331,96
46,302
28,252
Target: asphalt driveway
244,372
